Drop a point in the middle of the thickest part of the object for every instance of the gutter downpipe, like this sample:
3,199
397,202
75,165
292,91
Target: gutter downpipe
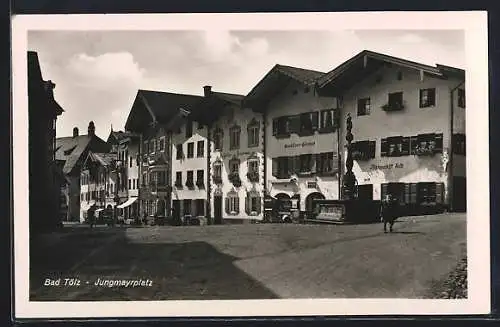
450,169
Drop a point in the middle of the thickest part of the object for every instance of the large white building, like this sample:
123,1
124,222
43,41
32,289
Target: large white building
408,126
236,158
301,138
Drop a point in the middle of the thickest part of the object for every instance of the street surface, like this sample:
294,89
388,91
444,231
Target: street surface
255,261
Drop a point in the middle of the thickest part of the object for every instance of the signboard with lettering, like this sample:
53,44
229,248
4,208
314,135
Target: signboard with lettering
300,145
387,166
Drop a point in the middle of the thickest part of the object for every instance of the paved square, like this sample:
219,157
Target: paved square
257,261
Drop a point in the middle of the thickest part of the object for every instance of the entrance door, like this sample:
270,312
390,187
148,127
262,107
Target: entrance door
176,211
218,209
459,194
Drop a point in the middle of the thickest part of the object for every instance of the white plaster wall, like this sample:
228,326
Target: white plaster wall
286,103
241,117
412,120
133,172
187,164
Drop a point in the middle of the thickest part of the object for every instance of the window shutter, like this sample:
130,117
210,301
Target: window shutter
439,193
275,167
237,205
295,124
439,143
315,120
432,97
227,205
335,163
373,146
406,146
383,147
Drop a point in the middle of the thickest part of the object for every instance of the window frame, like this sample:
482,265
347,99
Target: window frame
200,154
190,178
253,134
178,179
430,97
234,137
323,126
364,107
179,155
190,150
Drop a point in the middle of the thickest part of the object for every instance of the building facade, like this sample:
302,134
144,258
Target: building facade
46,177
300,139
235,158
408,121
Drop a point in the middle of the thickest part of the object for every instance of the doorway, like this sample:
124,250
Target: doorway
310,203
217,209
176,211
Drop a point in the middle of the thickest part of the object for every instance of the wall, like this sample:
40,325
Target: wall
133,168
242,117
286,103
411,121
186,164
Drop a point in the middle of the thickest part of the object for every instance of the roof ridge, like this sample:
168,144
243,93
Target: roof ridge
169,93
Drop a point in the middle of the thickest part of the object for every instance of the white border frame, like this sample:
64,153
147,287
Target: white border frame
478,246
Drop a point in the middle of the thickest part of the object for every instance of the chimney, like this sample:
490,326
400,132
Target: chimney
91,129
207,90
49,87
75,132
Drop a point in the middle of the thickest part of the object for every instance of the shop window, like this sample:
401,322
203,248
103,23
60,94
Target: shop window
189,179
461,98
200,149
281,127
253,134
363,150
427,98
426,193
395,102
186,204
234,137
309,123
459,144
364,107
397,190
179,152
200,207
232,204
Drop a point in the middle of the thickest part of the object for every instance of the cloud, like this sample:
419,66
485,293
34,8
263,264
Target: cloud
105,69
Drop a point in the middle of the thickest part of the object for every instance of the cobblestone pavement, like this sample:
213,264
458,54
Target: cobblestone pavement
255,261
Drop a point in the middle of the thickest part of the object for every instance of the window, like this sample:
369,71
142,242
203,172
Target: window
364,107
427,144
200,149
397,190
186,203
190,150
459,144
280,168
363,150
218,137
234,137
328,120
133,184
394,146
160,178
253,170
395,102
200,207
253,134
112,187
461,98
252,203
189,179
306,161
426,193
162,144
179,152
217,175
189,128
152,146
325,163
427,98
234,166
281,127
232,204
130,161
178,179
309,123
129,183
200,178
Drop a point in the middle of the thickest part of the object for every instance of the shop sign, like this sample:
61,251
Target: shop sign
387,166
300,145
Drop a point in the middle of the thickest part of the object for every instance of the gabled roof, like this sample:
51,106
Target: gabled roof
119,136
276,79
70,150
155,106
104,159
38,86
367,62
210,107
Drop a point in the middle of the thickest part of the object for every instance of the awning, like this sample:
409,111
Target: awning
127,203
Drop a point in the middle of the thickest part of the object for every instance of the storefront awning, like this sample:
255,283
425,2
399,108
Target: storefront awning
127,203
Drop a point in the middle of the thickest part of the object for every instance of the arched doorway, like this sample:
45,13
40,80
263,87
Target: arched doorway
310,202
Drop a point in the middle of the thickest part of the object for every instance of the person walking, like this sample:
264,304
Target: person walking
389,211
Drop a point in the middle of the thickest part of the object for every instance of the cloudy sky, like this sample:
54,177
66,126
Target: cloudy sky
97,74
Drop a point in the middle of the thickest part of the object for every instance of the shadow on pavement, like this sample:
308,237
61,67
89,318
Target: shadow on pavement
177,271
